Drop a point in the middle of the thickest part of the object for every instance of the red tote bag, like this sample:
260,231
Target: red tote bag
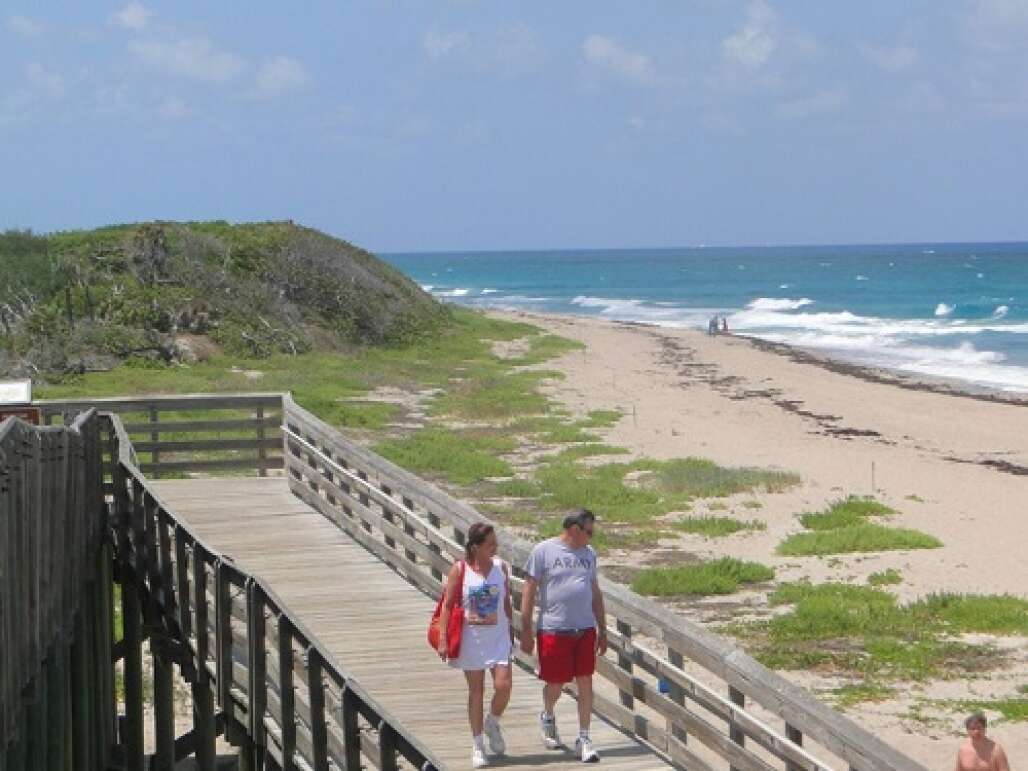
455,623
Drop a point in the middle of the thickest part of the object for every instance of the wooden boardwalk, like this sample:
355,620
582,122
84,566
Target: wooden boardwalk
373,621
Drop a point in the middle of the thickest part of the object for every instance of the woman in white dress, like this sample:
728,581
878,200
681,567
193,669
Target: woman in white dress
486,637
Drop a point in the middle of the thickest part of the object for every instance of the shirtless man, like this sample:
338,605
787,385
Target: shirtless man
979,753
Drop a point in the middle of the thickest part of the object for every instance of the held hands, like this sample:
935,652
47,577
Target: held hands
601,642
527,642
441,650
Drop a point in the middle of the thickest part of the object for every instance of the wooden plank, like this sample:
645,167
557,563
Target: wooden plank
209,465
213,425
205,445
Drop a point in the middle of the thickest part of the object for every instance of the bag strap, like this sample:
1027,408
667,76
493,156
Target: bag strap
460,584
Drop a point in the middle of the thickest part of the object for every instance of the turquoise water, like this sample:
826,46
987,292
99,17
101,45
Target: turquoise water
948,310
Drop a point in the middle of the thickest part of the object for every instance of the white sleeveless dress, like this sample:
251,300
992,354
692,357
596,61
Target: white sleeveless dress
485,637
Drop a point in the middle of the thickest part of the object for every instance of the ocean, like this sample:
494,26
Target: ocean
956,311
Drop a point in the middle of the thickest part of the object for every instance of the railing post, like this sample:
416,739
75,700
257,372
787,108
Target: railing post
738,698
351,730
386,747
287,696
433,520
223,635
258,663
677,694
203,702
316,691
388,516
408,504
795,736
262,453
132,735
625,662
164,708
155,437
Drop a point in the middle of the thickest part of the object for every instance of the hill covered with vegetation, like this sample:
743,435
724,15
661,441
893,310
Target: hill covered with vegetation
171,292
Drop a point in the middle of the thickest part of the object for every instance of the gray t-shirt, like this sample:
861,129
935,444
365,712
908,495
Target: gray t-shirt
565,577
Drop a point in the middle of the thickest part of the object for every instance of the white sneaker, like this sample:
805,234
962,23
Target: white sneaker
478,758
497,745
585,750
548,727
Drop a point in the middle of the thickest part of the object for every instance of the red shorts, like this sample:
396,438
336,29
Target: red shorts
563,657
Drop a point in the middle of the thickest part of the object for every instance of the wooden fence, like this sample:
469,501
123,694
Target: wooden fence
698,722
207,433
254,669
57,709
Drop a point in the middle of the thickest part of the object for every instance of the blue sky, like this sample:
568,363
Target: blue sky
480,124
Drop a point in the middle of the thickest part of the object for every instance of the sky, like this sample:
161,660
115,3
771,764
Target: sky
479,124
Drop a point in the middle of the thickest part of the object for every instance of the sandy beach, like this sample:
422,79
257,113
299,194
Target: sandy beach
953,465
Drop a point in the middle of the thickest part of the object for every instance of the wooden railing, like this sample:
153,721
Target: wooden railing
695,698
219,433
56,679
250,660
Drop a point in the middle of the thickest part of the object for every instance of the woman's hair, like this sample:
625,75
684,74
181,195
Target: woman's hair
477,534
976,718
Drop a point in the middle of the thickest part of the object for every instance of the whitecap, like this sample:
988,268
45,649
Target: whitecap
458,292
778,304
942,309
783,286
490,291
1001,311
981,275
427,287
862,278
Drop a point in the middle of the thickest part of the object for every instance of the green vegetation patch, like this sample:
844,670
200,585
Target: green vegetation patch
858,693
863,630
591,449
885,578
865,537
714,527
460,457
542,348
723,576
1013,709
845,513
702,478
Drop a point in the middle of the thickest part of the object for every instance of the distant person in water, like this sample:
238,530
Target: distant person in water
724,324
979,753
712,326
486,638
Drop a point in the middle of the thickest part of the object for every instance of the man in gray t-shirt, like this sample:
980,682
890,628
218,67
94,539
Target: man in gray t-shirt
572,624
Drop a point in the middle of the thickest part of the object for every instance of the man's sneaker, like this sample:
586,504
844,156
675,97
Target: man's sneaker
497,745
584,749
478,758
548,727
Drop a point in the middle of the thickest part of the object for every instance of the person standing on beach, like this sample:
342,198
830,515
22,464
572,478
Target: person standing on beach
572,625
979,753
486,637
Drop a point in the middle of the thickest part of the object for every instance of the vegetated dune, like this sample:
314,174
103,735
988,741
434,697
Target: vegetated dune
168,291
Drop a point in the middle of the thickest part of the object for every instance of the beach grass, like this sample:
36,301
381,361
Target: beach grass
885,578
702,478
845,513
722,576
462,457
515,488
588,450
714,527
864,630
1013,709
865,537
858,693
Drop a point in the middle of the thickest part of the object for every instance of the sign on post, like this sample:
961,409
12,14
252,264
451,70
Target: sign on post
16,401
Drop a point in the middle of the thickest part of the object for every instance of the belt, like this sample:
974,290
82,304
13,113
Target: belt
567,632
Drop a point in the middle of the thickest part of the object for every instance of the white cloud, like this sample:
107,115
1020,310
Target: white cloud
998,25
194,58
44,83
891,59
607,53
439,44
23,25
173,108
752,45
134,16
279,75
823,102
517,46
